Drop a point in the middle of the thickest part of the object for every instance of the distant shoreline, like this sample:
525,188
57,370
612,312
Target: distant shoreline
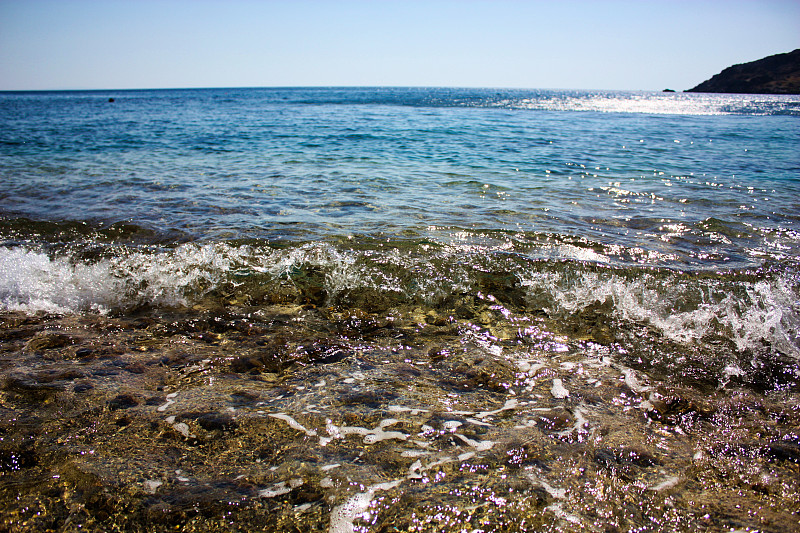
339,87
775,74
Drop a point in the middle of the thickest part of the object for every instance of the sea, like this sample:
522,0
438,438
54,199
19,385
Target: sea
378,309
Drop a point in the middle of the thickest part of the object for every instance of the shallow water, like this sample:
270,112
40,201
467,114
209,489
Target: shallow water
399,310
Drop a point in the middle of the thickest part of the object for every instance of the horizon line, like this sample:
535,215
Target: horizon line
202,87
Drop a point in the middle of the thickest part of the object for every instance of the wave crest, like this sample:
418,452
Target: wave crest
749,310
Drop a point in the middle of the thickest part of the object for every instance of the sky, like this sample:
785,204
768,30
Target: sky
567,44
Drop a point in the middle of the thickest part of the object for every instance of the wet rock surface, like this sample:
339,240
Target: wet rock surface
299,417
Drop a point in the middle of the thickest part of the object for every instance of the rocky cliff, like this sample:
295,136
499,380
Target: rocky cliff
778,74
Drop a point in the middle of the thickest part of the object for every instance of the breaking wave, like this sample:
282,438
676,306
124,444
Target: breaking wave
750,309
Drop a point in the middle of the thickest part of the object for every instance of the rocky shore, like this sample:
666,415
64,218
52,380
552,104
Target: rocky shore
776,74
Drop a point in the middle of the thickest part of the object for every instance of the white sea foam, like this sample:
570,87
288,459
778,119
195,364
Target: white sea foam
510,404
343,516
555,492
31,281
684,311
371,436
632,381
479,445
280,488
558,390
666,484
294,424
559,511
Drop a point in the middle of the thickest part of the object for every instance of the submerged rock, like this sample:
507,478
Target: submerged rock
123,401
48,341
290,413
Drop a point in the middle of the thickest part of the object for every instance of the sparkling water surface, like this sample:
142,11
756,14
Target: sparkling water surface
631,169
399,309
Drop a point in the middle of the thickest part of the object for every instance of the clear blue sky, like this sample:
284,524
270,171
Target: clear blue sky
577,44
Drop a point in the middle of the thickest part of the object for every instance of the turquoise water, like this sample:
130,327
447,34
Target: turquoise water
317,304
635,170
